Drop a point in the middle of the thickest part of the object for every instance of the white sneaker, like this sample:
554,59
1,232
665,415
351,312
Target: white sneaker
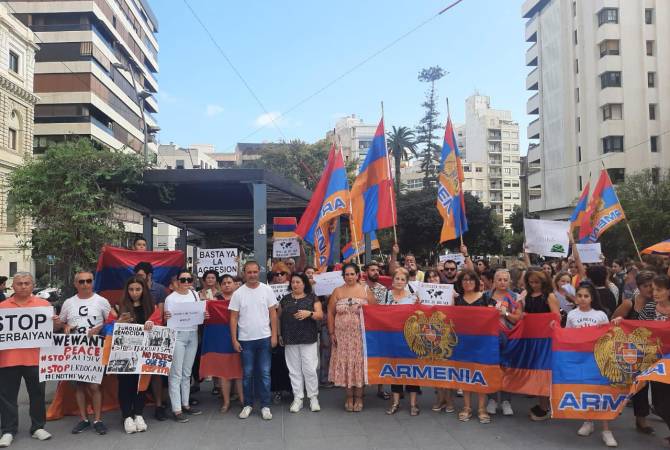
266,414
6,440
586,429
507,408
41,434
608,439
246,412
314,404
129,425
296,406
492,406
140,424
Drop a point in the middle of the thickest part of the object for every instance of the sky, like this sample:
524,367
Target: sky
308,63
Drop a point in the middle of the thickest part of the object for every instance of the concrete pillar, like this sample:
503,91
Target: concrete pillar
260,196
148,230
181,243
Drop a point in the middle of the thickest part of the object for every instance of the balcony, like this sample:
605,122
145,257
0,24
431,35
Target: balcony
495,134
496,199
534,166
531,30
535,192
495,161
533,80
534,129
495,149
532,55
493,173
533,104
495,187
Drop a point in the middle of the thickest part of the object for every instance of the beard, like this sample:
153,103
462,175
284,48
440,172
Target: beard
412,273
374,278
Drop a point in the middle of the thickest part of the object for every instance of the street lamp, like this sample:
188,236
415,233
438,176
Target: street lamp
140,98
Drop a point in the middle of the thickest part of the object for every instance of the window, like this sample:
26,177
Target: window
515,184
648,16
10,213
574,37
652,111
13,268
515,196
650,48
577,94
179,164
655,174
13,139
579,153
608,15
617,175
609,47
580,183
610,79
653,142
576,66
574,9
13,62
466,169
507,170
579,125
506,183
612,111
612,144
478,169
651,79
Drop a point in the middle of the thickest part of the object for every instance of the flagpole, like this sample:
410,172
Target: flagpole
458,176
352,224
388,171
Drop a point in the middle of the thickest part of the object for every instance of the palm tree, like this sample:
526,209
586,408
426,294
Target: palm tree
400,142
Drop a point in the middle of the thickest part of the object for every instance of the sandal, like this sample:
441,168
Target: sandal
449,408
358,404
393,409
349,404
483,416
437,407
224,409
383,395
414,410
465,414
644,429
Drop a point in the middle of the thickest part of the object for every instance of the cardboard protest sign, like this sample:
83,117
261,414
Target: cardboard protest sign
435,294
285,248
590,253
280,290
137,351
325,283
186,315
458,258
223,260
547,237
26,327
73,357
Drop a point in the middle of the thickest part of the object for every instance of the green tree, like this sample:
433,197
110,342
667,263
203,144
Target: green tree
429,125
401,144
513,239
71,196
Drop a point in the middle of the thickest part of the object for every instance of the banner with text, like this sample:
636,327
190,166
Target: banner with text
547,237
285,247
73,357
30,327
223,260
186,315
325,283
137,351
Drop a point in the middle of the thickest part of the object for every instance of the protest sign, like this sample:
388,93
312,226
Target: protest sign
73,357
458,258
280,290
547,237
26,327
590,253
223,260
137,351
285,248
325,283
436,294
186,315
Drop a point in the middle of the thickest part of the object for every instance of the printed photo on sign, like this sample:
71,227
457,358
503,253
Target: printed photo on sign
280,290
326,283
547,237
137,351
73,357
436,294
223,260
26,327
285,248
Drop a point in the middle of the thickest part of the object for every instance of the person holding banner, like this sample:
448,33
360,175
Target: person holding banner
19,363
140,244
280,382
344,327
660,392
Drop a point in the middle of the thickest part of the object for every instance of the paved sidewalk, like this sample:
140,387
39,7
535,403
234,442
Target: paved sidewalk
333,428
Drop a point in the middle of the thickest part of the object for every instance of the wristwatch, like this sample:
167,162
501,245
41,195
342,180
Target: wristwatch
311,313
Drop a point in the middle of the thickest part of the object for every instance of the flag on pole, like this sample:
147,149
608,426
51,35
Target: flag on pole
450,199
372,197
580,209
349,250
604,210
330,200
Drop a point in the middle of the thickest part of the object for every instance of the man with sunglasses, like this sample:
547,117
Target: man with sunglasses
449,273
85,313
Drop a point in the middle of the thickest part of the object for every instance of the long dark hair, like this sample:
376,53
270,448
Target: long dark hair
126,303
305,280
595,297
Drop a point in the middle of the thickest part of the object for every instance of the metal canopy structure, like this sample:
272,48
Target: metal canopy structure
225,205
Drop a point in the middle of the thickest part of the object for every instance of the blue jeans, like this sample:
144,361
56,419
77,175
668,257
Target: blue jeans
256,361
179,380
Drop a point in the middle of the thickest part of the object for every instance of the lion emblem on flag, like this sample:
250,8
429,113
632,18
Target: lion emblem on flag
430,337
620,356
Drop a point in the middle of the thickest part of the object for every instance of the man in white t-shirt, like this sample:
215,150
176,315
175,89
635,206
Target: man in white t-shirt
253,326
86,313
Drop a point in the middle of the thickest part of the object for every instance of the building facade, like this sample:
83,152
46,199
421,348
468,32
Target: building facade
17,103
355,136
600,95
489,144
170,156
95,71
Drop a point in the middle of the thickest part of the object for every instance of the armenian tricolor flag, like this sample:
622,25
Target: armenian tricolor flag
329,200
594,368
218,357
604,210
450,199
115,266
284,227
580,209
438,346
349,250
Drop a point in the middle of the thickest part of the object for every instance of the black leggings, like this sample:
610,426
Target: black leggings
130,400
398,388
641,402
660,397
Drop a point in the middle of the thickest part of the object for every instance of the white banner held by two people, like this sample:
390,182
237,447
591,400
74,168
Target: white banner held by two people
547,237
30,327
223,260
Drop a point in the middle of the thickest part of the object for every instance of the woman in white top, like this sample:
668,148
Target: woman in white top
186,346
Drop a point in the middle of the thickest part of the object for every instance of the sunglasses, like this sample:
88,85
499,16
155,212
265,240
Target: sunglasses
283,274
450,269
86,281
186,280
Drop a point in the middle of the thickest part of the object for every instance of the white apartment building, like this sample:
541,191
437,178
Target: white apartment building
355,136
196,156
599,77
489,144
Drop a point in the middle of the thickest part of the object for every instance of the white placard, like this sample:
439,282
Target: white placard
325,283
280,290
458,258
436,294
590,253
73,357
285,247
547,237
30,327
137,351
186,315
223,260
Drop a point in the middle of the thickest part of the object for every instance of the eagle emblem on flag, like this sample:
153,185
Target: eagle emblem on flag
430,337
620,356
